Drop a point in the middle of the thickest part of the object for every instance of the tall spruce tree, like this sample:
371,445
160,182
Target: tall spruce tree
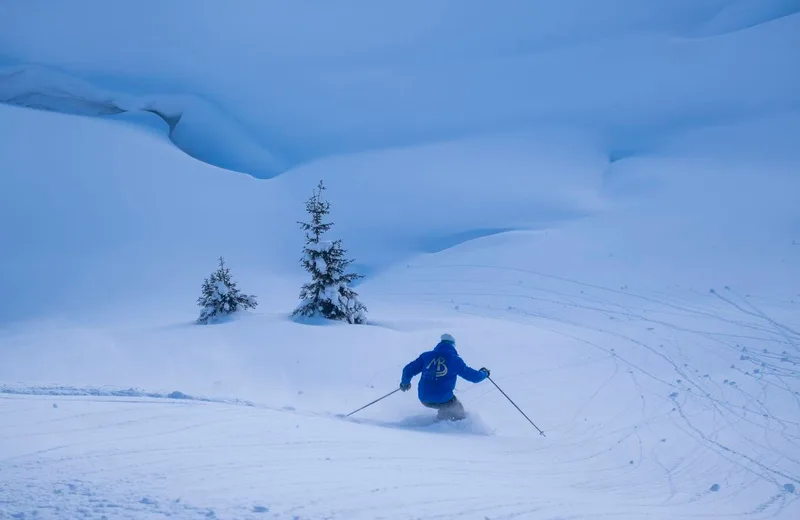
328,293
221,297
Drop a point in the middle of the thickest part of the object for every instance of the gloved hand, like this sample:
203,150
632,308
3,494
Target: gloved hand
485,371
405,387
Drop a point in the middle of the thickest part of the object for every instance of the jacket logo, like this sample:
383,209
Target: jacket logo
440,364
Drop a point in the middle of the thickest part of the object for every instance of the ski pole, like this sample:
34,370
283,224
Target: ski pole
373,402
515,405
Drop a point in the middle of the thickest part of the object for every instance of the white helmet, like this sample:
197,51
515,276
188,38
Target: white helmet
448,338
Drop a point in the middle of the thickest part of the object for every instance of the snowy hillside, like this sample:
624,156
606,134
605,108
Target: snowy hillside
600,199
262,86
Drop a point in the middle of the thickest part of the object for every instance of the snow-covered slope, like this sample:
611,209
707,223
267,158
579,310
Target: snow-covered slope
110,205
284,82
599,199
655,404
590,303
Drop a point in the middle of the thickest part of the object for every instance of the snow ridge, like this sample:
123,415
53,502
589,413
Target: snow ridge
88,391
194,124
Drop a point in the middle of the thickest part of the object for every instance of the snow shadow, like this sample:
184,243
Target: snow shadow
472,425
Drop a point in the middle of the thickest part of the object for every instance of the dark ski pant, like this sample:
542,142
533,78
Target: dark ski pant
451,410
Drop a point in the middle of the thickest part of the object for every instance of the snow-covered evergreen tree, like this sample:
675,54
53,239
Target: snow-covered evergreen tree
221,296
328,294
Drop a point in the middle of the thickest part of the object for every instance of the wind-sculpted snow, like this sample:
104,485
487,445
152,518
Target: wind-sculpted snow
263,86
195,125
110,204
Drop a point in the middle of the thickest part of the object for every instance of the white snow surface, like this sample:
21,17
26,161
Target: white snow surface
599,198
264,86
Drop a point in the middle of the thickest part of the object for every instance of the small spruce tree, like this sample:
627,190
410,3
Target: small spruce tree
328,293
221,296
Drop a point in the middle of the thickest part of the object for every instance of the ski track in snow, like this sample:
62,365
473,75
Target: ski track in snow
544,168
763,350
139,454
134,483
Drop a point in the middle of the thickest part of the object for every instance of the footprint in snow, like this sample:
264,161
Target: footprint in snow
260,509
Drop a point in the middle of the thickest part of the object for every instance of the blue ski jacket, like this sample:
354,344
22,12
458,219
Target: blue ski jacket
440,368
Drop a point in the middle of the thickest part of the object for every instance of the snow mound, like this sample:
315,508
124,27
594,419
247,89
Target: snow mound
260,80
158,209
195,125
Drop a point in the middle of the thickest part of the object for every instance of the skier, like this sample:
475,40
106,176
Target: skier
440,368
